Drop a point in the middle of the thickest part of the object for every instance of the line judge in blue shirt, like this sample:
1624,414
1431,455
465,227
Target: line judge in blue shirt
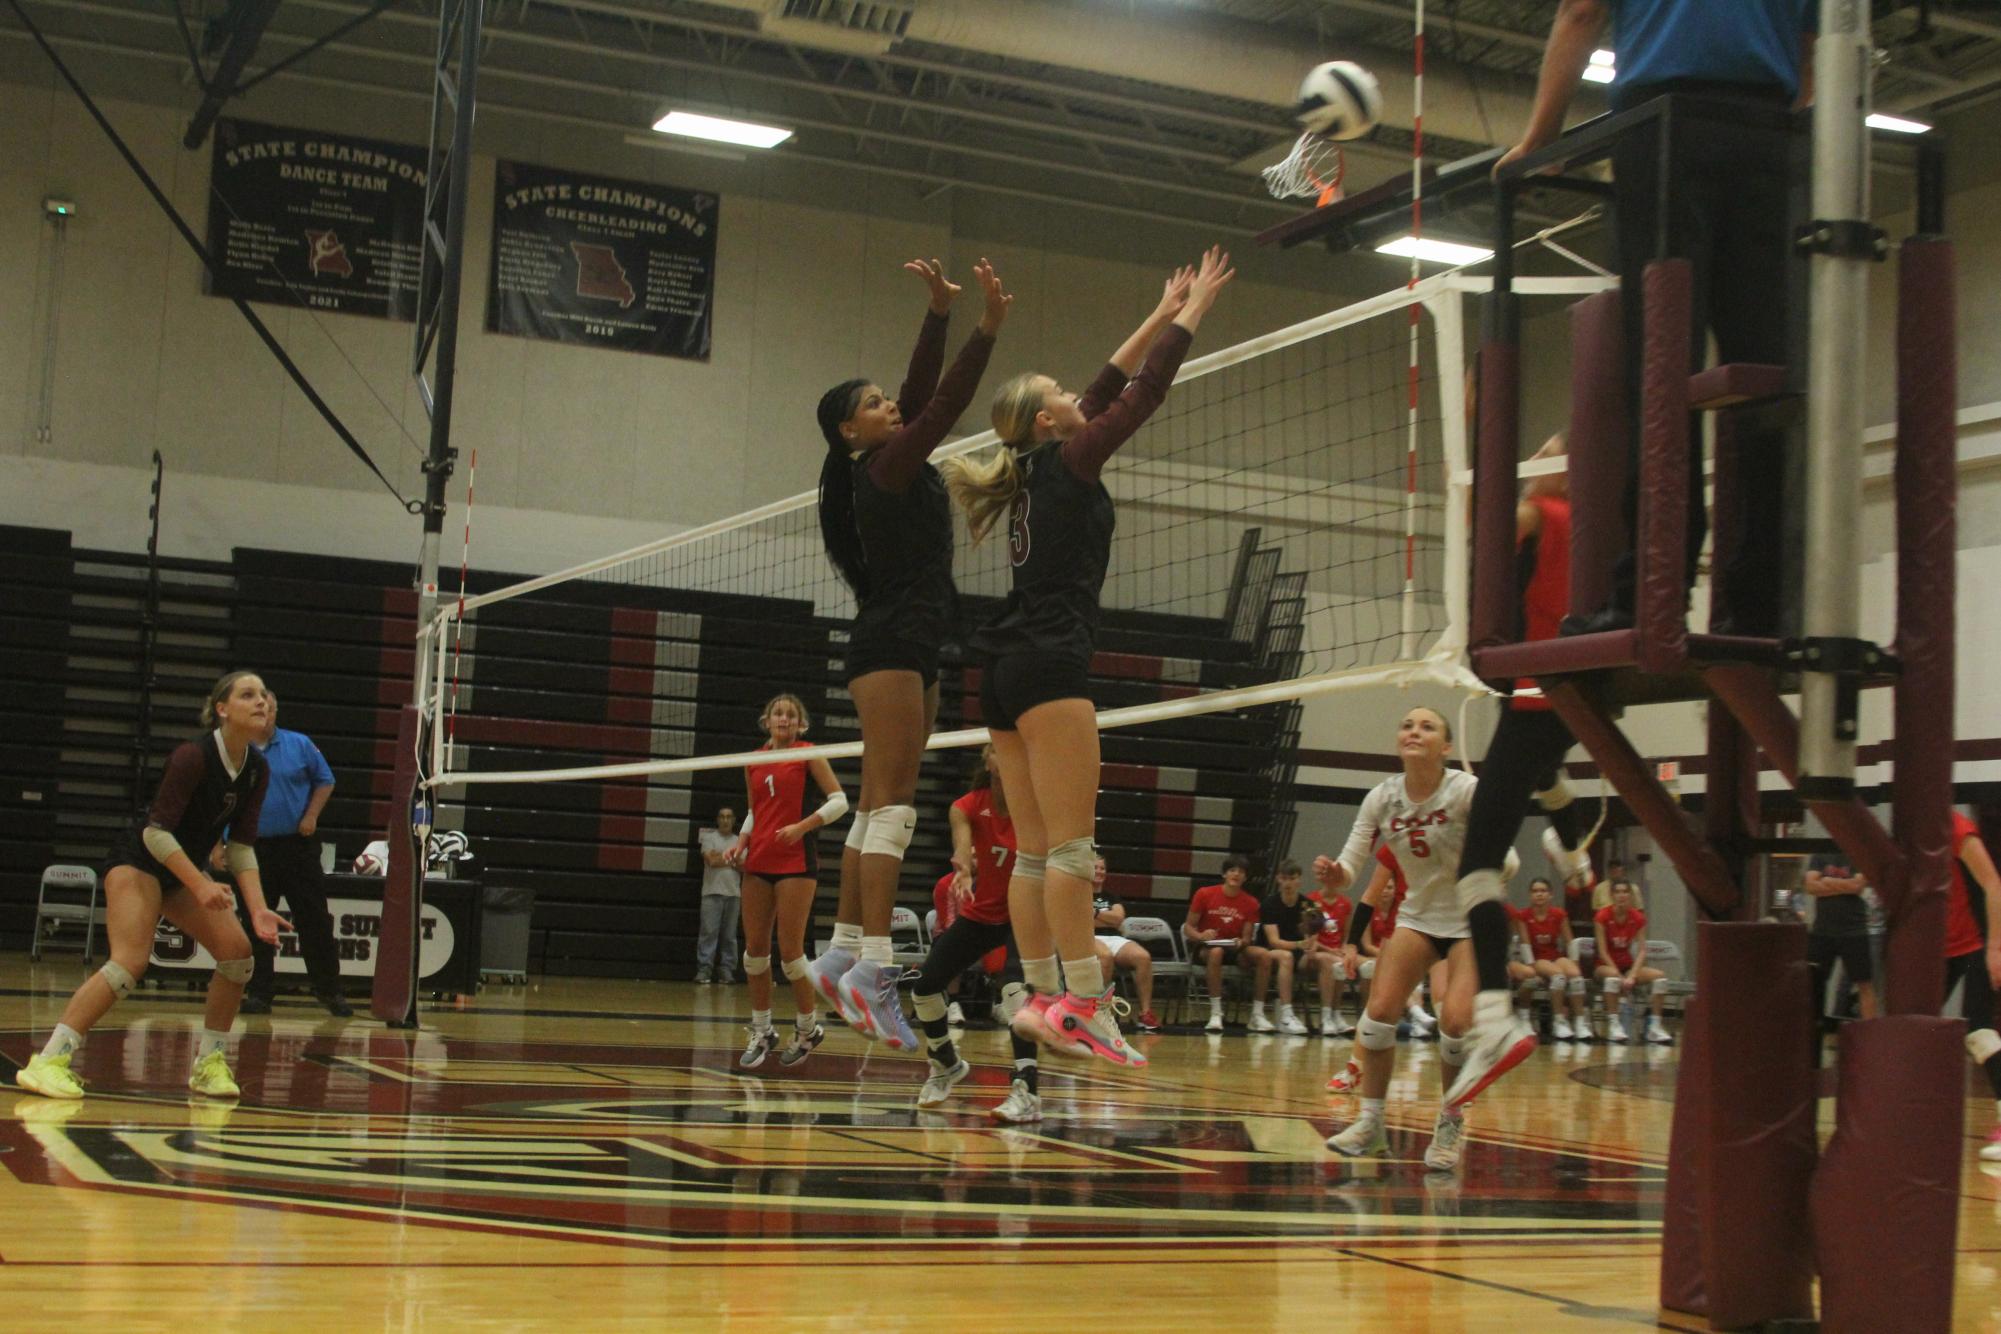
1727,212
288,853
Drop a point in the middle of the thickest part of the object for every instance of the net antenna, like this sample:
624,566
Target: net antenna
1312,170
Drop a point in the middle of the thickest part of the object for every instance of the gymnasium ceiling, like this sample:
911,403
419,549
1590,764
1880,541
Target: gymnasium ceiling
1153,107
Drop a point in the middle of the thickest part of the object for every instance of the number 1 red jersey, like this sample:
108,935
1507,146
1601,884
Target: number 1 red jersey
780,795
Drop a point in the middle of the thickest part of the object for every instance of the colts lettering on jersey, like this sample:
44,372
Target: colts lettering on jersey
1017,528
1418,827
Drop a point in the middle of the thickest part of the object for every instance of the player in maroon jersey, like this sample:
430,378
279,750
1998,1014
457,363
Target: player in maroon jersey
1973,957
781,869
887,525
214,783
1622,964
1545,930
1524,764
1036,652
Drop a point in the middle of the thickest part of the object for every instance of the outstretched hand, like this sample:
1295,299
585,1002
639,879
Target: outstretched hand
943,289
267,925
1174,292
1211,278
998,299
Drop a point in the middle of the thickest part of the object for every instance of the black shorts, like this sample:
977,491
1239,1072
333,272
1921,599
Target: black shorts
1440,946
1856,959
890,653
129,849
1012,685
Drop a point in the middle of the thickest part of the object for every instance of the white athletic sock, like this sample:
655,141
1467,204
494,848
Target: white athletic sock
1373,1107
878,950
805,1022
211,1041
1083,978
761,1020
1043,975
63,1041
847,936
1215,1005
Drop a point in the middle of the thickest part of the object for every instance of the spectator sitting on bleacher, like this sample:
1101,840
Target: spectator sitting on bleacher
1325,958
1116,954
1220,921
1545,930
1622,965
1287,921
946,905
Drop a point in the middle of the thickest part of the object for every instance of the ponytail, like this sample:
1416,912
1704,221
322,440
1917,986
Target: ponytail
837,488
986,491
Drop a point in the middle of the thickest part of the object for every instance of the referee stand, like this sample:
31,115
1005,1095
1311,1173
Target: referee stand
1754,1210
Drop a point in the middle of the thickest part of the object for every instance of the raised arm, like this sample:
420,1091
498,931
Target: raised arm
896,465
927,358
1087,451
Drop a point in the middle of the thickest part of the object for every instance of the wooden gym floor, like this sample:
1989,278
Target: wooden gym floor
586,1155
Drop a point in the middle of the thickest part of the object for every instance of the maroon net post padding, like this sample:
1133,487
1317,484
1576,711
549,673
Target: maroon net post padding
1927,502
1660,613
394,997
1495,615
1600,435
1743,1157
1886,1197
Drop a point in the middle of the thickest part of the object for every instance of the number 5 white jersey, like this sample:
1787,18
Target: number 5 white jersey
1426,837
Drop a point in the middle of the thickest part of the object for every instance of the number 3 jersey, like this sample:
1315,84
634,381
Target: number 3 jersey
1426,838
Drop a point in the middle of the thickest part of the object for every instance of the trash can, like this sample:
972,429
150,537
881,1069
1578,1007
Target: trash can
503,932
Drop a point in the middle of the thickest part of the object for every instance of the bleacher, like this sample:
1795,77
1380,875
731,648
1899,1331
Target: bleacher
583,674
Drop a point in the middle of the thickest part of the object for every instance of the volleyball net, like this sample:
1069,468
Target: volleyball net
1292,521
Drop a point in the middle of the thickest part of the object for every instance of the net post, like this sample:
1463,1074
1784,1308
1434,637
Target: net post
1661,593
1448,316
1837,356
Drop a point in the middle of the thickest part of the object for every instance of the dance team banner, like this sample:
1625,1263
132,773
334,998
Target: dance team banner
602,262
330,221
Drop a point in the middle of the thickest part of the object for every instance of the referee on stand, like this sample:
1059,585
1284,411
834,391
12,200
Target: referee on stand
288,853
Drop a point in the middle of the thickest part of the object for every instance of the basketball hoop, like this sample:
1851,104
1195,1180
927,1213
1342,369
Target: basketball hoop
1312,170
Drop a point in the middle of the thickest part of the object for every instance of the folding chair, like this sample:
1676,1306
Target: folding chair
68,894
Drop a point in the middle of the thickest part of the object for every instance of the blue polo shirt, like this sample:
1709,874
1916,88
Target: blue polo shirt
297,767
1754,42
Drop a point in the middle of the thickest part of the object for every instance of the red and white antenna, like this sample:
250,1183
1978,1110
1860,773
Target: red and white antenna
1416,320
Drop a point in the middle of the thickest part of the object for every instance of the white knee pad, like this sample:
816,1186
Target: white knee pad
1479,887
1077,858
122,982
1511,865
1367,970
1452,1050
235,970
754,964
1557,795
1576,985
858,830
1028,866
1982,1044
890,829
930,1008
1659,987
1615,986
792,968
1375,1035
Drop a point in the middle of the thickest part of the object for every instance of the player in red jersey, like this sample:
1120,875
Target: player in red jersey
1973,957
781,868
944,912
1545,929
983,854
1323,960
1220,921
213,783
1385,896
1622,964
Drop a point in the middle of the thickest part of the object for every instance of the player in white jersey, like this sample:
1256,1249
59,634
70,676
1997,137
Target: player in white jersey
1421,815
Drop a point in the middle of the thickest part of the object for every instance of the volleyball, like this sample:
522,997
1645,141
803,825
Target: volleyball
374,859
1338,100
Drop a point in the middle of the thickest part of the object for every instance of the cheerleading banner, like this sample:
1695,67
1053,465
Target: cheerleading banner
302,218
602,262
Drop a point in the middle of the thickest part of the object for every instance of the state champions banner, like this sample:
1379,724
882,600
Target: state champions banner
330,221
602,262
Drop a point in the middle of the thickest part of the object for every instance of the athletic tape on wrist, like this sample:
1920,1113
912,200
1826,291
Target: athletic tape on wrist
1375,1034
235,970
858,830
754,964
1077,858
890,829
793,968
122,982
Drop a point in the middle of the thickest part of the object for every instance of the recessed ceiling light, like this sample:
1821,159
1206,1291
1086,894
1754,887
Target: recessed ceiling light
718,129
1438,252
1898,124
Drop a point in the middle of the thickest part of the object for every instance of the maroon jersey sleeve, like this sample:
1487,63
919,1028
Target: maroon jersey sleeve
178,785
896,465
927,358
1087,451
1101,391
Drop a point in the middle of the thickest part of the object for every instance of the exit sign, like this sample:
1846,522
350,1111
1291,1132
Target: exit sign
1668,771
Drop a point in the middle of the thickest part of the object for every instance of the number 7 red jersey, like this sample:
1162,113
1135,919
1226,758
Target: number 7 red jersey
993,856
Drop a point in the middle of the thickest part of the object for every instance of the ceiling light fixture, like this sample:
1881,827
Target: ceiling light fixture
1437,252
721,130
1897,124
